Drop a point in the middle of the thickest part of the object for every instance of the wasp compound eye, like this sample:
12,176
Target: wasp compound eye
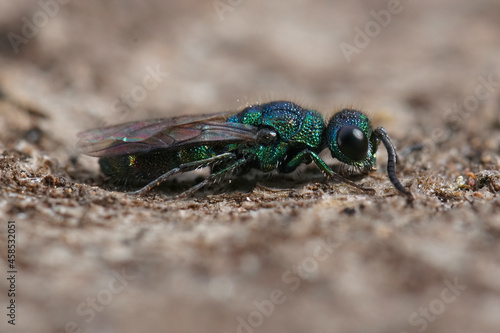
349,137
352,142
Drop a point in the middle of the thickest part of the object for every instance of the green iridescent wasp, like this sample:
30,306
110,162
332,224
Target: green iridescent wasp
277,135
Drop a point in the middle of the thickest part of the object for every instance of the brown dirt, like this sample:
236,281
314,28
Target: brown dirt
332,259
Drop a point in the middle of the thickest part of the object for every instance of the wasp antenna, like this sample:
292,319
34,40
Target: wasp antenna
381,133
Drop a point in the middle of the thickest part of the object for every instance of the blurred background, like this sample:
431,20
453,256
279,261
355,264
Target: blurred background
429,72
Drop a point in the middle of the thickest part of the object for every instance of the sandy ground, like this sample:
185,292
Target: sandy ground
288,253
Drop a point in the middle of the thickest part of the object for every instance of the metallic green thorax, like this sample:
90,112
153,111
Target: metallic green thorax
296,129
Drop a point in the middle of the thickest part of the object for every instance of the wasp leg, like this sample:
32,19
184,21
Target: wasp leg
215,177
307,156
184,168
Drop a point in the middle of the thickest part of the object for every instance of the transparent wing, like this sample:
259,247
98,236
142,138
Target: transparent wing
168,133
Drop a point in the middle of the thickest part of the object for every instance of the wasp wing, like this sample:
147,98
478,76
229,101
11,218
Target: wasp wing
168,133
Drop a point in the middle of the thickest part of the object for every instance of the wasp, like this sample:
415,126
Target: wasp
278,135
